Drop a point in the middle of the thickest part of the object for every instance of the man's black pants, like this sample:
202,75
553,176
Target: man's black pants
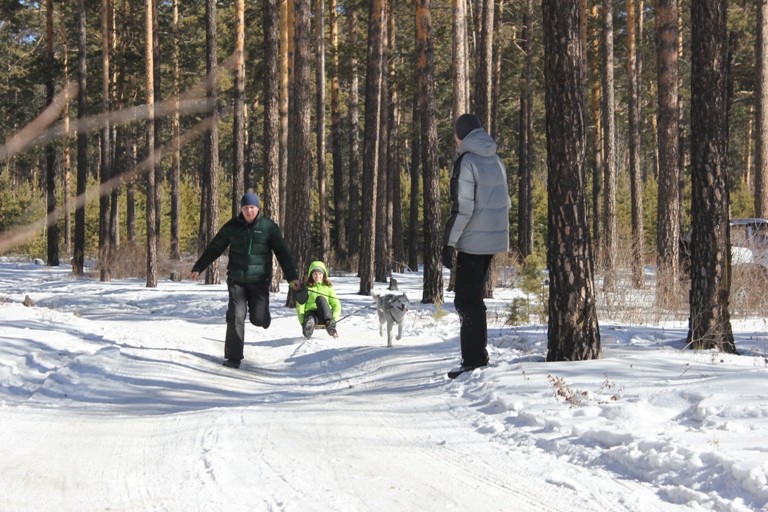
252,299
471,274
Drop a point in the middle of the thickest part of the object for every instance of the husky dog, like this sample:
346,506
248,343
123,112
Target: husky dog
391,309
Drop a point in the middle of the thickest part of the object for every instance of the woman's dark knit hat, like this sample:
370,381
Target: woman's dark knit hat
465,124
249,199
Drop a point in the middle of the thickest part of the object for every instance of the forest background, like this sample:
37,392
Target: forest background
339,114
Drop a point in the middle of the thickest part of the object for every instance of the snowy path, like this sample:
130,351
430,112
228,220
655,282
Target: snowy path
323,425
114,398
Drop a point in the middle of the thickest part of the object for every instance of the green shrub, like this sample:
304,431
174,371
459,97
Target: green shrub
518,312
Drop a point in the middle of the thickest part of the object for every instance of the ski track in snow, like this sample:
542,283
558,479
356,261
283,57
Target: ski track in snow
117,401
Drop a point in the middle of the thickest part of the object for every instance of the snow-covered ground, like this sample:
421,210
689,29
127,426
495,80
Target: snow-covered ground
113,397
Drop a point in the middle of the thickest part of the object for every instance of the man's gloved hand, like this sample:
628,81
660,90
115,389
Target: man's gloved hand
448,254
300,292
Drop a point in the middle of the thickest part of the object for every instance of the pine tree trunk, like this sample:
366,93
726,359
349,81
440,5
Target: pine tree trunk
210,219
373,104
415,175
158,121
151,190
270,200
67,163
668,228
761,101
175,133
709,322
82,143
397,248
298,197
460,58
286,50
610,240
460,78
238,114
322,180
105,249
52,233
573,333
596,98
635,177
383,212
115,102
339,191
355,187
525,143
483,86
432,292
130,196
497,74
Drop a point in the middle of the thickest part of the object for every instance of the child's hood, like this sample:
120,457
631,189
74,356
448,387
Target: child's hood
315,265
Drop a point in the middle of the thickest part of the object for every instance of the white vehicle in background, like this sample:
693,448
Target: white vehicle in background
749,242
749,263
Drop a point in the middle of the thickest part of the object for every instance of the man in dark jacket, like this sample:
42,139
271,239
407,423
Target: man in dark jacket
477,229
251,238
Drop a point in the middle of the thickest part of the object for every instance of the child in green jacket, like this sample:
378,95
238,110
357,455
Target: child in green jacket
322,306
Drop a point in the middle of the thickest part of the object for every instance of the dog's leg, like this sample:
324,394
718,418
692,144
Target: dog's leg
389,333
400,328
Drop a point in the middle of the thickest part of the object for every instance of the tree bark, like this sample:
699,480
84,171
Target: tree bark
383,214
175,133
483,86
339,190
432,292
286,65
238,114
52,233
322,180
761,101
210,204
353,107
596,130
397,248
668,228
270,200
67,163
82,143
415,174
299,196
635,175
525,144
498,45
373,112
105,246
151,190
573,332
709,322
130,195
271,197
459,64
158,122
460,79
610,241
